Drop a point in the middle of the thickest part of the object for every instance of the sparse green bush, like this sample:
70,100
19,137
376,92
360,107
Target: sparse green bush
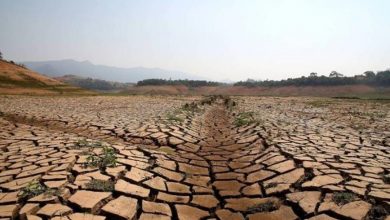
341,198
244,118
100,185
106,159
263,207
33,188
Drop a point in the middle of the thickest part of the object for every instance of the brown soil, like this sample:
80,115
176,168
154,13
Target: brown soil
204,167
321,91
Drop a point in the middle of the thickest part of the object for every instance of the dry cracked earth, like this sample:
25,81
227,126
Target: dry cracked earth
213,158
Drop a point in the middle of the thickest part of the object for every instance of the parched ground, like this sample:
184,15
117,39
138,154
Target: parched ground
144,157
362,91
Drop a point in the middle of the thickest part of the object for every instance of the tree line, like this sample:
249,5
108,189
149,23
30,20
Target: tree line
381,78
185,82
94,84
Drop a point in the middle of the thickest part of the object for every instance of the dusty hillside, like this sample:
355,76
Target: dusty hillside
15,79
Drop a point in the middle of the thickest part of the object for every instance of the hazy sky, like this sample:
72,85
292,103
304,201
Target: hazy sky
224,39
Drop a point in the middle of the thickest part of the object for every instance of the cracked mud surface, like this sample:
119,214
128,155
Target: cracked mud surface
299,158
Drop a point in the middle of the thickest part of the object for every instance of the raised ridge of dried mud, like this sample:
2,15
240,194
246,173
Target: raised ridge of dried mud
204,167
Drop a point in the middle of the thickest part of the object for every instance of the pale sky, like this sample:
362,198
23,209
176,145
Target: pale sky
226,39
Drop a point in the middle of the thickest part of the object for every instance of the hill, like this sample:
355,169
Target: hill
87,69
16,79
93,84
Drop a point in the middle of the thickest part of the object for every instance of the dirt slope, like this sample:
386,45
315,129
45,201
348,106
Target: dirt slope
15,79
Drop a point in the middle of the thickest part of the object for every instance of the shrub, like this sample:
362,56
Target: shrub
33,188
341,198
377,212
100,185
244,118
106,159
263,207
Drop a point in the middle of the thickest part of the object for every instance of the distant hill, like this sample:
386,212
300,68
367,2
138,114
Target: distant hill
16,79
87,69
93,84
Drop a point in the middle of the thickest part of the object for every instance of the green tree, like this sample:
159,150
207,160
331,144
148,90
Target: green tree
369,74
1,56
313,74
335,74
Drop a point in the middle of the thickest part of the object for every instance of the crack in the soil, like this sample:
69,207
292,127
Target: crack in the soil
221,145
